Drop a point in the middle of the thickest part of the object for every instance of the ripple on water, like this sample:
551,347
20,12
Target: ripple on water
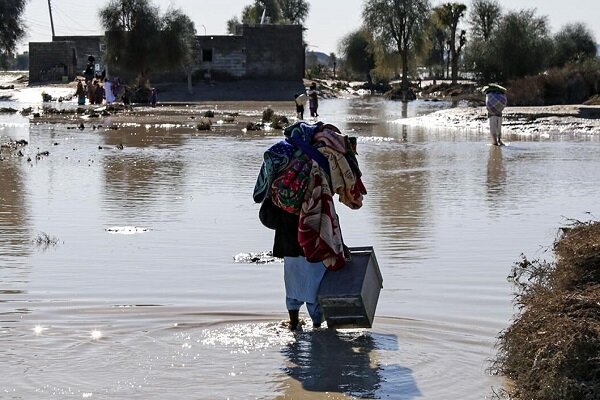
241,356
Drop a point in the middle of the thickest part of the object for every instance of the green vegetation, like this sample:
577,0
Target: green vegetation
358,51
398,25
551,350
515,48
574,83
12,28
277,121
140,40
573,43
275,11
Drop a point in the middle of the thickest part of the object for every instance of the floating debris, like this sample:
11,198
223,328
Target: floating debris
44,241
126,230
264,257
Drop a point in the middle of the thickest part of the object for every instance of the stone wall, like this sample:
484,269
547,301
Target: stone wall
50,61
274,51
228,56
85,46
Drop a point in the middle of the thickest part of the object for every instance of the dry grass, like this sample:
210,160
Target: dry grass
552,349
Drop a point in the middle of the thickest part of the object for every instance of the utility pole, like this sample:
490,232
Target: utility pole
51,20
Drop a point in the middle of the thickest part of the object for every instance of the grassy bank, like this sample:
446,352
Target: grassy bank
552,349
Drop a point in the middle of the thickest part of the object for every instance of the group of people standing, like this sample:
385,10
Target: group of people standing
313,102
96,91
96,88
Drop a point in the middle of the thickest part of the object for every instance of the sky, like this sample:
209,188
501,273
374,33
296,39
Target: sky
328,21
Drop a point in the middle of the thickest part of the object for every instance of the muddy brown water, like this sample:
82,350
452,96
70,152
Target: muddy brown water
135,293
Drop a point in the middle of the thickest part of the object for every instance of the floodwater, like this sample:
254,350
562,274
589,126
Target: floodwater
118,279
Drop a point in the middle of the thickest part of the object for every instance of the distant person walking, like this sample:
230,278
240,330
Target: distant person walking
98,93
153,97
91,92
80,93
88,73
108,91
300,100
495,101
313,99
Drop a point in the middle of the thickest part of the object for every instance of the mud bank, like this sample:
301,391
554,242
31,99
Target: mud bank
527,121
551,350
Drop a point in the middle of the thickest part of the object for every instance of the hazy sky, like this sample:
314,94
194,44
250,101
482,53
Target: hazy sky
327,23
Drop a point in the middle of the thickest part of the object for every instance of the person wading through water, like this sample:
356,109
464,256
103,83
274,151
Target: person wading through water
296,184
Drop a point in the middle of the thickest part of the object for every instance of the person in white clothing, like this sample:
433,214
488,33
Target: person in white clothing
110,97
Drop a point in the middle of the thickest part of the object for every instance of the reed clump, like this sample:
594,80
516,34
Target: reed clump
552,349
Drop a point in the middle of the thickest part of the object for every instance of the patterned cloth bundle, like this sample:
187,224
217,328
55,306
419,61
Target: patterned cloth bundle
299,182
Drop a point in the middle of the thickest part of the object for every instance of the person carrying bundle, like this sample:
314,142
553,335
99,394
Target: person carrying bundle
296,184
495,102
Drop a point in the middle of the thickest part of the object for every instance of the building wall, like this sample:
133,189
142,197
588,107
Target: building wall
85,46
228,56
274,51
50,61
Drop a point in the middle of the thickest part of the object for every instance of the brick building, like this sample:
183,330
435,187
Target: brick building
274,52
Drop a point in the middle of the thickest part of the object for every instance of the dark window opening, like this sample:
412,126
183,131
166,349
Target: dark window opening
207,55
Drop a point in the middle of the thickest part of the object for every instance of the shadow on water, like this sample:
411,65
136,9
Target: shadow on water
343,362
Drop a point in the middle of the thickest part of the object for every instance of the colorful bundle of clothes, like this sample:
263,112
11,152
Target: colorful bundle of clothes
301,174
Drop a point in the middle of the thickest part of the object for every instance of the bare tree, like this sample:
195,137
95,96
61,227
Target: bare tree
484,18
449,15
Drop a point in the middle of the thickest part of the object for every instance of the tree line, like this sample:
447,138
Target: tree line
398,38
482,39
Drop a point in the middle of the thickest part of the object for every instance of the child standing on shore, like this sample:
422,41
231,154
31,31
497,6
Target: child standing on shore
300,100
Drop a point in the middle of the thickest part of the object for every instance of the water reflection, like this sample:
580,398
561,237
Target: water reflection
404,115
142,173
343,362
325,361
399,194
14,214
15,233
496,175
148,135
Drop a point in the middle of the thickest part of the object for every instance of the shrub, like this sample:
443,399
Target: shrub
267,115
551,350
204,125
251,126
572,84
